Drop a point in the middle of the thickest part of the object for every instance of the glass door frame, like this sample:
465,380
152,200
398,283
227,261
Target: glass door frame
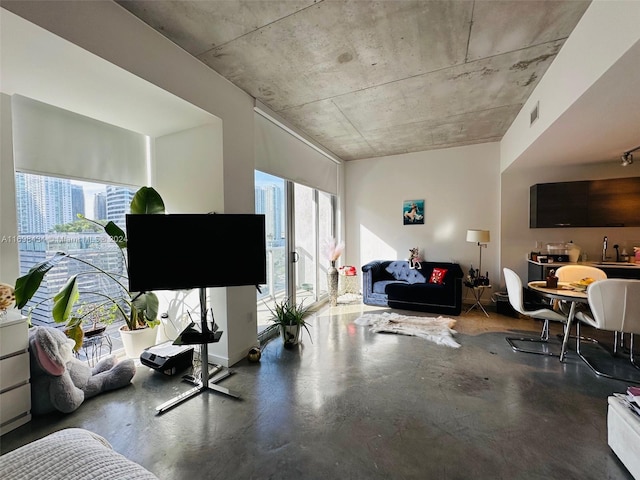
292,256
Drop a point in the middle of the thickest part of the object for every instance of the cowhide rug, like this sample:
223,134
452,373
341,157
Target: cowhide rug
438,330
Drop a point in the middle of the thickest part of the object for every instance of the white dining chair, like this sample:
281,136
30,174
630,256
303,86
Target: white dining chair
539,311
615,306
575,273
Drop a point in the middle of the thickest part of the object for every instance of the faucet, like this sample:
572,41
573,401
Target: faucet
604,249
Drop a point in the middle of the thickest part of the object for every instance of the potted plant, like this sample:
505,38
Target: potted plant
289,317
96,317
138,309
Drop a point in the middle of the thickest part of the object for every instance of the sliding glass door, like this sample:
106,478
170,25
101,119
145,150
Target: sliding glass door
305,245
270,200
326,231
299,223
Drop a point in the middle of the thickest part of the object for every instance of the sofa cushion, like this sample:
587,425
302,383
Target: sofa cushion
381,286
400,271
437,275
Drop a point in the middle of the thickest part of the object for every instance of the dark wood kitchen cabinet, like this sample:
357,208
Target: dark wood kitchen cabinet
614,203
562,204
595,203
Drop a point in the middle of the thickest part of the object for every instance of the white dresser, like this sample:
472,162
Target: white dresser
624,435
15,389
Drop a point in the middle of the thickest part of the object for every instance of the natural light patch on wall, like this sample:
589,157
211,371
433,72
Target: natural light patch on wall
182,307
147,151
373,247
445,231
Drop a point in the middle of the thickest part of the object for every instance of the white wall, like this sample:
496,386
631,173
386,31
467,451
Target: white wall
188,169
461,189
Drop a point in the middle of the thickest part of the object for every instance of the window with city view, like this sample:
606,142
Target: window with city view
50,213
270,201
305,234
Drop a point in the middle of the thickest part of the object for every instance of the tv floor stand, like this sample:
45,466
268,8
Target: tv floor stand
204,337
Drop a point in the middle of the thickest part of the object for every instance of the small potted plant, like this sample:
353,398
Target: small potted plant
138,309
96,317
289,317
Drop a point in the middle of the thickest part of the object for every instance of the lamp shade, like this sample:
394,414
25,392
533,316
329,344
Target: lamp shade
478,236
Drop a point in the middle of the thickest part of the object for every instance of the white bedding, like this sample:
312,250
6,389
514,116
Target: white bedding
72,453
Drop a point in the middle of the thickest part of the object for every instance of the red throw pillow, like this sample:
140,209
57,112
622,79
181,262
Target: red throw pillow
437,276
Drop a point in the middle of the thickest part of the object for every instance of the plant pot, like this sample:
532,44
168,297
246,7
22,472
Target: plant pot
135,341
92,332
290,334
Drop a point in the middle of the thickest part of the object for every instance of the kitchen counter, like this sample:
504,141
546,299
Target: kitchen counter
591,264
538,270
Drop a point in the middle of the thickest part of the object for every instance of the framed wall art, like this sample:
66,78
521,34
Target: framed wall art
413,212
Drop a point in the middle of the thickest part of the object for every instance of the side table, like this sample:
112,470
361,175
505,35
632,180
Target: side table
477,291
348,284
92,348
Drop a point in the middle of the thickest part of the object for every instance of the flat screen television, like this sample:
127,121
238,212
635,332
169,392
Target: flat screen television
185,251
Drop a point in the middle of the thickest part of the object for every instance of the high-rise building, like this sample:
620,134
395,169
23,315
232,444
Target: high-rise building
77,201
42,202
269,203
99,206
92,247
118,202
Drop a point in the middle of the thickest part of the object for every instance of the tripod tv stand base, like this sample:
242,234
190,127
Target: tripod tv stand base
204,338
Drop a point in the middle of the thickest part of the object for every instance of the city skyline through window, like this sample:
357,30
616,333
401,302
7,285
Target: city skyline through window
48,222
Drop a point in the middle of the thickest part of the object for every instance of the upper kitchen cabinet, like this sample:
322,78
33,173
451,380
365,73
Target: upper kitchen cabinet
596,203
554,205
615,202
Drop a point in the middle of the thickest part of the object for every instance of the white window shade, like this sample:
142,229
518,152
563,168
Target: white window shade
280,153
52,141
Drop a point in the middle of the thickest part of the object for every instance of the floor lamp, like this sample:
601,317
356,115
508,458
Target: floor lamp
481,238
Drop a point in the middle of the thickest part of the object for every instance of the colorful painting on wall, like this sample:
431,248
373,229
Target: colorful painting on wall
413,212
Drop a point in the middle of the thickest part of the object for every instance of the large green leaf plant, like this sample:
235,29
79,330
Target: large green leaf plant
139,309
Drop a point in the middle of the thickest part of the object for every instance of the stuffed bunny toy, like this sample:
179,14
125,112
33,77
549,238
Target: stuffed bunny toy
61,382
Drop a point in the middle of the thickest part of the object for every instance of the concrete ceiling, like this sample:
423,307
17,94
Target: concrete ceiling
373,78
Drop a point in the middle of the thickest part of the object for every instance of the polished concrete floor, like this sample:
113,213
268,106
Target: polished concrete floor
360,405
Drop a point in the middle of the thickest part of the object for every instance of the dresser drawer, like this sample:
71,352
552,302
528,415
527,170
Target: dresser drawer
14,403
13,338
14,371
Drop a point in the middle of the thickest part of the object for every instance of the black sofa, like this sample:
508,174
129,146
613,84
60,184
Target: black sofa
391,283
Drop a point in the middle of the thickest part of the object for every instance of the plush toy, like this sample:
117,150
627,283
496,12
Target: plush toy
414,259
7,296
61,382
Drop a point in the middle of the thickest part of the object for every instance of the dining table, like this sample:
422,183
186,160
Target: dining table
569,292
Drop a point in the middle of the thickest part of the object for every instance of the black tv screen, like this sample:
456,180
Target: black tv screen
184,251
